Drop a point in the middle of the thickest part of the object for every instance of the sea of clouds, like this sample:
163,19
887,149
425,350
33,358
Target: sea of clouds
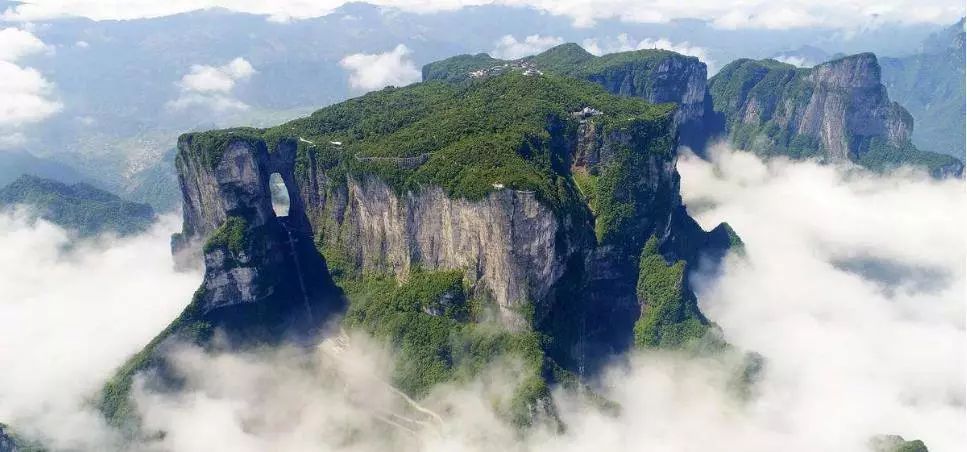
851,286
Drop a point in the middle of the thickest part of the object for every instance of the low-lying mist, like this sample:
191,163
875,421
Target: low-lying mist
851,286
72,311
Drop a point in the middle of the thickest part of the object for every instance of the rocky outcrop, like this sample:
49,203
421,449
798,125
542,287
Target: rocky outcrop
659,76
563,260
251,255
514,249
835,111
505,242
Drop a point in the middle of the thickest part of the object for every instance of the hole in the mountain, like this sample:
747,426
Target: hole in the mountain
280,195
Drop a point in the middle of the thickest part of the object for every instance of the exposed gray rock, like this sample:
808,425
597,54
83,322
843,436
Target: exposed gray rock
836,111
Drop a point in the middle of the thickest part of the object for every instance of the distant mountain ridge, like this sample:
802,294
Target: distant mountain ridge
80,207
931,85
834,111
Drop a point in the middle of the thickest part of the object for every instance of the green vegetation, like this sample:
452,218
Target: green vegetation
563,59
896,443
930,84
471,136
451,346
114,402
613,71
621,195
458,67
231,234
80,207
880,156
772,88
587,183
670,317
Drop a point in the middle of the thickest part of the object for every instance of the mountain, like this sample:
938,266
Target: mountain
930,84
118,80
835,111
157,184
80,207
532,215
14,163
658,76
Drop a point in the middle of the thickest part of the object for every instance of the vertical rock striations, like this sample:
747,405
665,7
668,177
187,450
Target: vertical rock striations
835,111
569,242
541,191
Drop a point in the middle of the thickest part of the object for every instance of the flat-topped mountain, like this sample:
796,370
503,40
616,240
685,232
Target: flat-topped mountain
536,203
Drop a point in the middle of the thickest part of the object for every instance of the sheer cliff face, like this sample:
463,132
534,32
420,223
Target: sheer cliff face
834,109
251,256
849,106
541,190
672,78
506,243
513,248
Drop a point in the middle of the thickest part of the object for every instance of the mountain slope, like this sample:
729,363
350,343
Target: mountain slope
507,215
835,111
930,84
658,76
80,207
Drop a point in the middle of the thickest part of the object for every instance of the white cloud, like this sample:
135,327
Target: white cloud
26,94
853,348
509,48
16,43
797,61
624,43
204,78
853,290
211,87
69,316
82,44
375,71
848,356
723,14
12,140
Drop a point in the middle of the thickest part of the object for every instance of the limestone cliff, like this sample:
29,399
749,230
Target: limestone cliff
568,240
835,111
540,190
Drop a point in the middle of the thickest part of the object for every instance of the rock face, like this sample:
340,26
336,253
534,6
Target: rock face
543,266
540,190
837,111
251,256
658,76
505,242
